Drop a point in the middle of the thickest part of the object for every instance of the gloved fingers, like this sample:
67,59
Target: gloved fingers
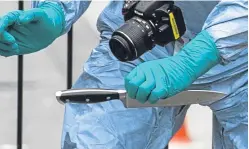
6,53
160,91
9,47
156,94
8,20
20,33
7,38
32,15
130,76
7,44
134,83
145,89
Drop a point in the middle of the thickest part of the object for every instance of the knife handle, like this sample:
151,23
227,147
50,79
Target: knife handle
88,95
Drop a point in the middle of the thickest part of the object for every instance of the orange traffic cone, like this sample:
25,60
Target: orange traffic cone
181,135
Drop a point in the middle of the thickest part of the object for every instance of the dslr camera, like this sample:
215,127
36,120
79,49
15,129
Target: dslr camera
147,23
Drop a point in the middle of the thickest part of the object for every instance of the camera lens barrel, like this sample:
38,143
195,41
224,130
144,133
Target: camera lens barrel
132,39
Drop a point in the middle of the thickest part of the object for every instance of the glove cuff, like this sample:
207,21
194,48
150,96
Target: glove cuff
194,59
201,54
55,12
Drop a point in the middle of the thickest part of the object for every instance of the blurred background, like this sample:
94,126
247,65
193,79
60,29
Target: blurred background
45,73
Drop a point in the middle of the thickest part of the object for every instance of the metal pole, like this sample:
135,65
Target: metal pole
20,102
20,93
213,128
69,58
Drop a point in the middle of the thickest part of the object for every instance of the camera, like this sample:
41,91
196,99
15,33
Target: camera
147,23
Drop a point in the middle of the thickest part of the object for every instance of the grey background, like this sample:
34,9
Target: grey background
45,73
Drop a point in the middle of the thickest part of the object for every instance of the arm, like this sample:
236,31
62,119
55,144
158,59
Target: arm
227,24
223,37
38,27
72,10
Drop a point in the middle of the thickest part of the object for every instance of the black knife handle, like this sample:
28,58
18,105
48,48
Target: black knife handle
87,95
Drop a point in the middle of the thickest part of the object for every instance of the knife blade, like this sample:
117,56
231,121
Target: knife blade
88,96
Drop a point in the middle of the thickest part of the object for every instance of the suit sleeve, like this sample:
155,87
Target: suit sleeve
72,10
228,26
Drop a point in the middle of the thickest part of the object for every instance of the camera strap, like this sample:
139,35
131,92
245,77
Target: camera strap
174,25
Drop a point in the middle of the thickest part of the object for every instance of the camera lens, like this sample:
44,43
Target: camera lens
120,48
131,40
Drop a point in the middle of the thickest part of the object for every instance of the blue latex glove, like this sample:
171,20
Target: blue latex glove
166,77
29,31
7,41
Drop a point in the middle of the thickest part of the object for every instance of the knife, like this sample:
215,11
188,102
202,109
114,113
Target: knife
89,96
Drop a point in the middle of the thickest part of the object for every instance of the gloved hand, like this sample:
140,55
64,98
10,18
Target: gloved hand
159,79
23,32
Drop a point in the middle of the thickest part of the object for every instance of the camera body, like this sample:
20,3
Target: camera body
147,23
